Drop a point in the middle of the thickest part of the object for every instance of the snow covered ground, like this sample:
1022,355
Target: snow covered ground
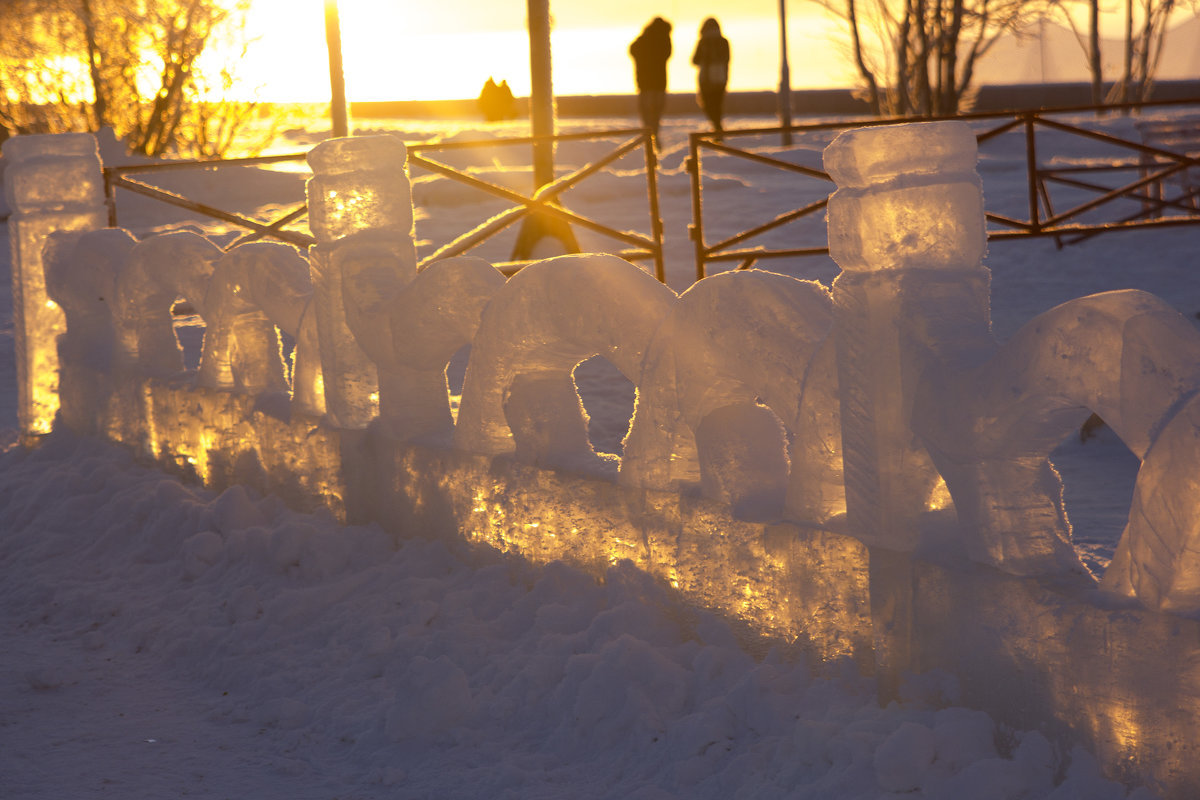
161,641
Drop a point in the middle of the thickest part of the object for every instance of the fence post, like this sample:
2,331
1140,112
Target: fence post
53,182
696,229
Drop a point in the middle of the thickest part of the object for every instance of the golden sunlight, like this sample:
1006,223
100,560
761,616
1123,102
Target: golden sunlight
397,51
433,51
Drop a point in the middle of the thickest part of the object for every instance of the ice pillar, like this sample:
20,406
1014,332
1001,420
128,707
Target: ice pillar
360,207
53,182
906,226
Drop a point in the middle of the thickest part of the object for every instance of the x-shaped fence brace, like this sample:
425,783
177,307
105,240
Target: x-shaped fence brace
543,200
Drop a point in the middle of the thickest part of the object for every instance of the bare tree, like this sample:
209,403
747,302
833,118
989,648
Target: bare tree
1145,33
131,63
918,57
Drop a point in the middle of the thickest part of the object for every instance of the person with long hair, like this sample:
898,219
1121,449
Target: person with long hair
712,62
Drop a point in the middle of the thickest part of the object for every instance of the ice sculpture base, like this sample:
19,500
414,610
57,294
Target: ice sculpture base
1050,654
802,588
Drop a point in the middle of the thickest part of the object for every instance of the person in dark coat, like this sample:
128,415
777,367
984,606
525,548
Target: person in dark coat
712,62
650,52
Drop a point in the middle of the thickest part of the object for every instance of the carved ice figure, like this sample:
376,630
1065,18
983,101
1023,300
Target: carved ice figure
1126,355
81,276
160,270
254,288
921,378
411,329
52,182
906,225
360,210
518,393
729,342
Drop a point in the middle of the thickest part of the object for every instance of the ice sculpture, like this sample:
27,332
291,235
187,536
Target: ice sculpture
518,393
254,288
160,270
81,276
412,329
923,383
1125,355
906,226
52,182
730,341
360,210
1158,558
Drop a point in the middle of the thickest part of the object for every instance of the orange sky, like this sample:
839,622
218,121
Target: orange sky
437,50
397,51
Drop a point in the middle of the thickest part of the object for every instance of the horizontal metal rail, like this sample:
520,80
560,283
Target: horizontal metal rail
542,201
272,230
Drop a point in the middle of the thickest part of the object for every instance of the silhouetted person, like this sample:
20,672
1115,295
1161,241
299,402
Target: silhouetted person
712,61
650,52
507,103
496,101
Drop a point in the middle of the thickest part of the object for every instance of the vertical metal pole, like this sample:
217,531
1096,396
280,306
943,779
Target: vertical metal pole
785,78
656,224
541,92
337,79
1031,170
696,229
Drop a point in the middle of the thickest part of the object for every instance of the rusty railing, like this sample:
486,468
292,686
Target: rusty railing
1069,195
544,202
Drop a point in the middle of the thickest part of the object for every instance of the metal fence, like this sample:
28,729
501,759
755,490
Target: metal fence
1080,181
544,205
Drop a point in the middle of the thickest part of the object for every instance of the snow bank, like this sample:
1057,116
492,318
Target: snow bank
166,640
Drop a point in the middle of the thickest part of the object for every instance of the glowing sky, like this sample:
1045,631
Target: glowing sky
406,51
395,50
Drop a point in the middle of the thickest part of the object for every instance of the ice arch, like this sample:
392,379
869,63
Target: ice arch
253,289
412,331
1125,355
518,393
159,271
730,341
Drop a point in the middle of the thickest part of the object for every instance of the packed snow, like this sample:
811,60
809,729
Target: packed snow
161,640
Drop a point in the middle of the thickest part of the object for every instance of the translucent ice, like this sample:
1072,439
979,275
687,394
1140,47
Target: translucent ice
254,288
1158,557
730,340
1127,356
908,196
81,276
359,183
52,182
906,226
874,155
518,393
361,212
160,270
52,173
412,329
